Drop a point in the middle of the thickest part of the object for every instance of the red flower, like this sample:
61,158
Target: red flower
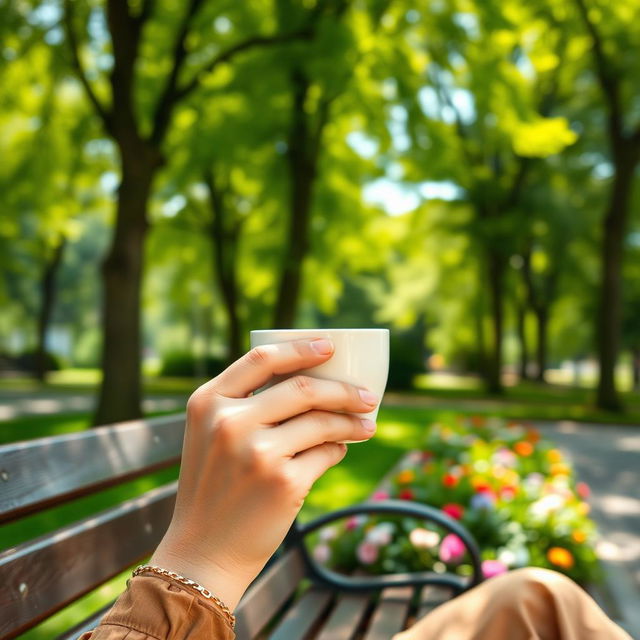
583,490
454,510
508,493
406,494
449,480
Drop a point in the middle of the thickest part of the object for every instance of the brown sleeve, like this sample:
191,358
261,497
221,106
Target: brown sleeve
154,607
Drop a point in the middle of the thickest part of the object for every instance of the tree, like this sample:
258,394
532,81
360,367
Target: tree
613,32
139,125
311,99
482,107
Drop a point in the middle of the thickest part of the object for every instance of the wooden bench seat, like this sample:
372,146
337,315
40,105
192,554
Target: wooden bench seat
293,597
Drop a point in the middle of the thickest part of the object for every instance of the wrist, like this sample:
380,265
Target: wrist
227,585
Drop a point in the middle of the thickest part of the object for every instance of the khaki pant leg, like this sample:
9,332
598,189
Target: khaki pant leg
528,604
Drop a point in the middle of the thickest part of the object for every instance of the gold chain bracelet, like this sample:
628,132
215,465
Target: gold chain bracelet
205,593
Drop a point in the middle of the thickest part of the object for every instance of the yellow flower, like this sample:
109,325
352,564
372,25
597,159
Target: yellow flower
561,557
553,455
583,508
510,477
559,469
406,476
579,536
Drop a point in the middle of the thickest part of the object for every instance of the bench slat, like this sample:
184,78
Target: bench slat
303,615
345,617
268,593
430,597
41,576
35,474
391,613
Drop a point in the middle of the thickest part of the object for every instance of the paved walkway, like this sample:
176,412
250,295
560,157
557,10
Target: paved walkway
16,403
607,458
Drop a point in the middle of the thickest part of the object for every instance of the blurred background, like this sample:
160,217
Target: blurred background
176,174
464,172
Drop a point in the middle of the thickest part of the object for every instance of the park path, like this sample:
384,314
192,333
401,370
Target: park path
607,458
19,403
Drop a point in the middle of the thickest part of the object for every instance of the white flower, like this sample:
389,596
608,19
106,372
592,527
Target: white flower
328,533
424,539
381,534
322,553
544,506
508,557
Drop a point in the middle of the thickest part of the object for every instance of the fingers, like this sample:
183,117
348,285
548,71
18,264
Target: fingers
309,465
259,365
317,427
300,394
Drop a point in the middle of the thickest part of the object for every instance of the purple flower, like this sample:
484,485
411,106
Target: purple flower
483,500
452,549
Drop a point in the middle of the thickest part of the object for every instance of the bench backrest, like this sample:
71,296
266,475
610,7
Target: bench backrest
41,576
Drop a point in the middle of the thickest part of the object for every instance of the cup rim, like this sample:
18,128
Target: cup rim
356,330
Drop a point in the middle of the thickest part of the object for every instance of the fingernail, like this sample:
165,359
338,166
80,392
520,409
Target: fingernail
369,426
322,347
368,397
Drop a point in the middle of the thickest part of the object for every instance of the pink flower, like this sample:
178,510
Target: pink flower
354,522
322,553
583,490
454,510
380,495
452,549
491,568
367,552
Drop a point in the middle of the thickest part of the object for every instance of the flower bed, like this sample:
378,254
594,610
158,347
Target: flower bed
514,492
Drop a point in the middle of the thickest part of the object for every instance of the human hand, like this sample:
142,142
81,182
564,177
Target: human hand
249,461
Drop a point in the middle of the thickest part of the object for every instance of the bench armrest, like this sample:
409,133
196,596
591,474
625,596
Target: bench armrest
334,580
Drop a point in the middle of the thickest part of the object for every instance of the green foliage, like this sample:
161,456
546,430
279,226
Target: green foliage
470,94
407,358
186,365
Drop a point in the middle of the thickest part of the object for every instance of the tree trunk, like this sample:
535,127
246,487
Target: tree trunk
47,301
635,367
521,316
610,307
224,238
479,328
120,392
302,159
542,322
495,264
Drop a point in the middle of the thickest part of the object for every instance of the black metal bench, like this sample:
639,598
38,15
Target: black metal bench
294,597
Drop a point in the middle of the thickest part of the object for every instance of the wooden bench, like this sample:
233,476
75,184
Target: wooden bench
294,597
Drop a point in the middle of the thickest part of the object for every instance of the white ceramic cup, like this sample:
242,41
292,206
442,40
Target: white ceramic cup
360,357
